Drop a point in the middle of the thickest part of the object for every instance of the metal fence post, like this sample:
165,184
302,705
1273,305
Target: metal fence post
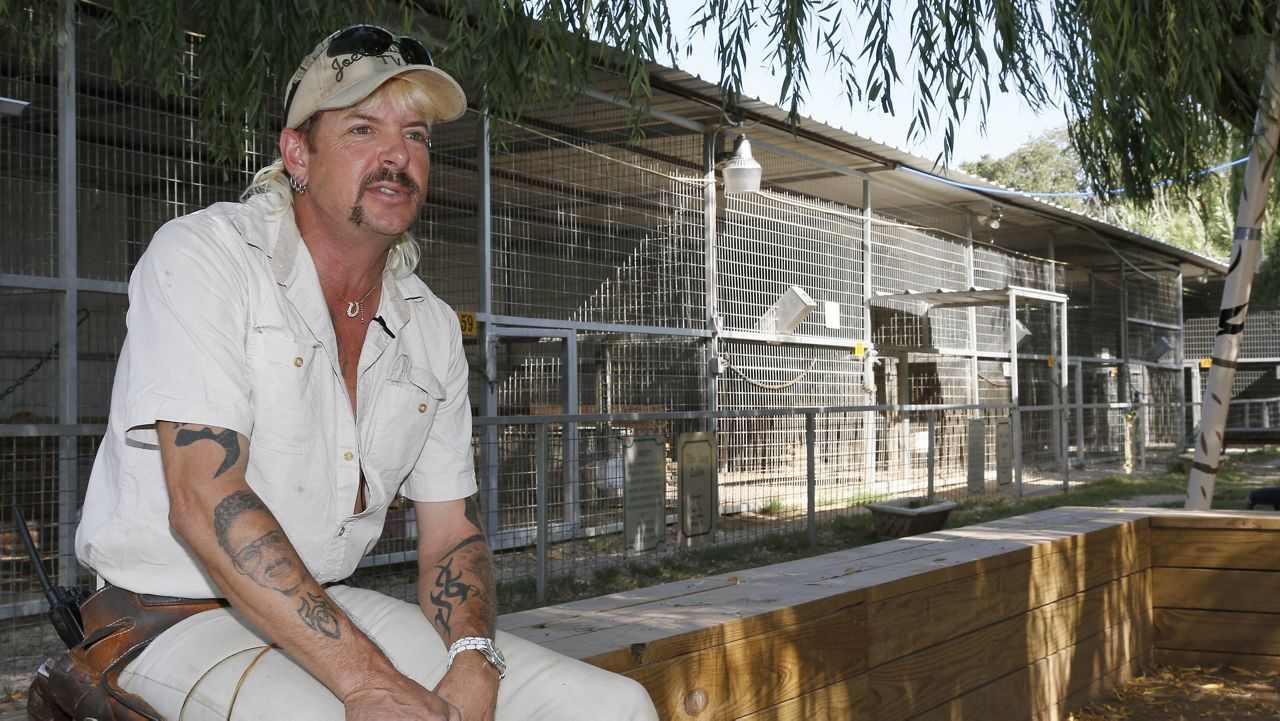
810,443
933,429
1080,414
540,479
68,269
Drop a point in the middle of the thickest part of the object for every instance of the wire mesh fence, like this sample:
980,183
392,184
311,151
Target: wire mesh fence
610,321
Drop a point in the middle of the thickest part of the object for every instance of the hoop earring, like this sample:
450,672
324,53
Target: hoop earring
298,188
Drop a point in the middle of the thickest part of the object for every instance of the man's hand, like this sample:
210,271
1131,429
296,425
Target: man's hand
398,697
471,685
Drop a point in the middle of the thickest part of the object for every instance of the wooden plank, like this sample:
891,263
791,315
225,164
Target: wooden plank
1032,691
1090,666
626,636
1213,659
1111,654
1215,589
1120,545
1093,691
939,673
1257,550
844,701
745,676
511,622
1217,631
936,614
1239,520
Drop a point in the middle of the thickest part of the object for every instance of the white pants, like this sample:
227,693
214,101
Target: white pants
215,666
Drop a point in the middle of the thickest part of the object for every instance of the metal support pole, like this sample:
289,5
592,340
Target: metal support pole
1016,420
1196,396
569,444
712,283
1141,432
540,481
933,432
490,454
972,317
1123,380
811,481
68,252
1058,375
868,284
1080,414
1181,359
1245,251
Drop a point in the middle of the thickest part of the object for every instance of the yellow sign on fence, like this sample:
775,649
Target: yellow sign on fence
468,322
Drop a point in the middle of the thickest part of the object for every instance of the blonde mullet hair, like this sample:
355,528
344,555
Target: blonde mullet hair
272,181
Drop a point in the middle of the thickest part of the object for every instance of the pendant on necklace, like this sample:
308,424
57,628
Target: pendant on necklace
353,308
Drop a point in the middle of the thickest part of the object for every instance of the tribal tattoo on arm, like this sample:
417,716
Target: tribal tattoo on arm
268,558
188,434
470,583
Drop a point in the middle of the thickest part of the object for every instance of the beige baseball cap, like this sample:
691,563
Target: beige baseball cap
349,65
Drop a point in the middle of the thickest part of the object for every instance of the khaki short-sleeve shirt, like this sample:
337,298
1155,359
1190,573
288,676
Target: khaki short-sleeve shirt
227,327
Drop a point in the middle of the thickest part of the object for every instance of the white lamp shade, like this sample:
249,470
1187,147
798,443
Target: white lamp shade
742,172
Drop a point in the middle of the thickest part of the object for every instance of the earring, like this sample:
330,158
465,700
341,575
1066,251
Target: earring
298,188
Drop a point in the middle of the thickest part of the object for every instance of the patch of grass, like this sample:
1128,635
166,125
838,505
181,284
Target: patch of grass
841,532
774,508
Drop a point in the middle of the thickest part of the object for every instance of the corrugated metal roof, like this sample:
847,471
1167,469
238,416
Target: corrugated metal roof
1031,225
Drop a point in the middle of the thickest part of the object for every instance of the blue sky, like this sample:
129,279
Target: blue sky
1009,122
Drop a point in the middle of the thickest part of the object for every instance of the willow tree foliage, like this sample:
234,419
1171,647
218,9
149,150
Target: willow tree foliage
1154,89
1199,218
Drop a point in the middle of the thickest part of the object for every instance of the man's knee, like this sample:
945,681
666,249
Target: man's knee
635,699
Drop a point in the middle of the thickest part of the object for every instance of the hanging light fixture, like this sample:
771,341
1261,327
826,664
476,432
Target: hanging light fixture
993,219
741,171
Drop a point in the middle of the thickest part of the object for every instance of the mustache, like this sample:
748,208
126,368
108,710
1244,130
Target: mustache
386,175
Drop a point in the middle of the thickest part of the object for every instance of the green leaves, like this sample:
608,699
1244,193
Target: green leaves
1155,89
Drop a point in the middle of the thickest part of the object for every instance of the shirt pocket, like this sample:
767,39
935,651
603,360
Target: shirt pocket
282,372
405,411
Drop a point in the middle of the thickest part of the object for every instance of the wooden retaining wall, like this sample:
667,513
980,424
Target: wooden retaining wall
1020,618
1216,586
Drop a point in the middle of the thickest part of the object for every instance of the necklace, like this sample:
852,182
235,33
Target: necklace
355,307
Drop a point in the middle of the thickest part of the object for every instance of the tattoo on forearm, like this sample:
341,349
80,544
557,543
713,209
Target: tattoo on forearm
471,508
268,559
450,590
225,438
480,565
229,510
469,540
316,613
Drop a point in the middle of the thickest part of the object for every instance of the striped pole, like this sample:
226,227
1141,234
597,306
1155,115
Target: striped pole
1246,247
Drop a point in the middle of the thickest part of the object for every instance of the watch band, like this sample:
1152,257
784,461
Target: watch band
485,646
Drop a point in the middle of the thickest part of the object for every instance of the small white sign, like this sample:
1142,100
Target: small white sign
832,310
1007,368
644,492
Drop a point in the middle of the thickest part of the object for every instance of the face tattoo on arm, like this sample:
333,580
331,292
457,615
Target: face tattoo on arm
268,559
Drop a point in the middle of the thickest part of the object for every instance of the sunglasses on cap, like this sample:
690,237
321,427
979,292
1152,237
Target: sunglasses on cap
371,41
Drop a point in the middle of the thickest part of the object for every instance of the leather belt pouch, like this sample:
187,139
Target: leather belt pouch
118,626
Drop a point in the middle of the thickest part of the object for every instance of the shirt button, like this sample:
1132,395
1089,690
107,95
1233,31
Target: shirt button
297,362
348,456
422,407
342,530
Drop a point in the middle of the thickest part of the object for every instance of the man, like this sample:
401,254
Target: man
284,376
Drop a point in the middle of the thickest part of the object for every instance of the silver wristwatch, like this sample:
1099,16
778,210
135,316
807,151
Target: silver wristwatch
484,646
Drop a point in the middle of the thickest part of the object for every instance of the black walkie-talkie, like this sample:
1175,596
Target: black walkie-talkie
64,603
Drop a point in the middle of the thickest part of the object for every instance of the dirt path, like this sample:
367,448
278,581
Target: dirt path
1186,694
